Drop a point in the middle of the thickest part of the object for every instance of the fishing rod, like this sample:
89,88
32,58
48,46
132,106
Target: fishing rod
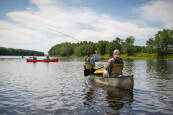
53,28
67,35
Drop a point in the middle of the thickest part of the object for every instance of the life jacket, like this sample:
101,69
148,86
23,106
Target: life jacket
117,66
88,65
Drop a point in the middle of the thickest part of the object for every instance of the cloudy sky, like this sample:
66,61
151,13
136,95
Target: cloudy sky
40,24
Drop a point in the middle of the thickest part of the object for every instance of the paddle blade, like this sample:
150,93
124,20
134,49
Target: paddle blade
99,71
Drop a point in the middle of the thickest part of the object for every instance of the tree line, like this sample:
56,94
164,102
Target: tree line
19,52
162,44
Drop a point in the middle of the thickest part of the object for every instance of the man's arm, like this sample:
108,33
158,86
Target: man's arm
94,58
106,67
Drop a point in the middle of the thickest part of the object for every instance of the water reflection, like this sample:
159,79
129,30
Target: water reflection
89,95
118,97
114,98
59,88
161,69
128,67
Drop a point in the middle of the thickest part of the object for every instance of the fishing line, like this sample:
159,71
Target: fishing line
67,35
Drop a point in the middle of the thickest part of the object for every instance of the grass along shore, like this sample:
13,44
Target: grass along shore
141,56
125,56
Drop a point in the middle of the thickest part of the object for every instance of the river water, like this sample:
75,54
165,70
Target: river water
61,88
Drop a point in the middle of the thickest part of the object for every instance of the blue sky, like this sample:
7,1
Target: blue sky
121,9
12,5
40,24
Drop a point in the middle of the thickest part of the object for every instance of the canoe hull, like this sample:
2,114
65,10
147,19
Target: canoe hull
124,82
51,60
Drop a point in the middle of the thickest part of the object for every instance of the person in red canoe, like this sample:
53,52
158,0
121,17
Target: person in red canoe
34,58
47,58
114,67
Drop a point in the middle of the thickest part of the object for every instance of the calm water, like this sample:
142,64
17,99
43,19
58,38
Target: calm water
60,88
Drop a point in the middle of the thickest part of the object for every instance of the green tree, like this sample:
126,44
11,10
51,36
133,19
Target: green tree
117,43
128,46
101,46
63,49
150,45
163,40
110,48
19,52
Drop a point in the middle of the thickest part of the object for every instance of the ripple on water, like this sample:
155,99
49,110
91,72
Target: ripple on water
60,88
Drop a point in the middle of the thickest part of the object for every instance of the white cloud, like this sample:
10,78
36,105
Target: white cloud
41,29
160,11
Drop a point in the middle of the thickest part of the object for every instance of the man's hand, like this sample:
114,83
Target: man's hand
120,75
96,51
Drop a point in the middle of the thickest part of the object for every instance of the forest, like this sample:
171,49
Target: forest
19,52
161,45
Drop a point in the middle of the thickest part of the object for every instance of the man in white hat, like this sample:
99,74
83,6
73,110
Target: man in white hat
115,66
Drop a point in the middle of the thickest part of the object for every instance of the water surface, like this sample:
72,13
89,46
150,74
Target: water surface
61,88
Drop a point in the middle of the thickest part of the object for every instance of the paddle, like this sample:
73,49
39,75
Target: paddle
89,72
99,67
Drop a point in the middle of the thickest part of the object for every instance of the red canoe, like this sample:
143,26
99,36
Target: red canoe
45,60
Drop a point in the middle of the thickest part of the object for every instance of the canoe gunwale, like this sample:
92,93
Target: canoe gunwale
98,75
44,60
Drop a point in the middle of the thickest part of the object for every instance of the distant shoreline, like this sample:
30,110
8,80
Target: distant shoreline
137,56
19,52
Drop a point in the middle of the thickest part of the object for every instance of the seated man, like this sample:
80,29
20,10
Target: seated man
90,63
114,67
